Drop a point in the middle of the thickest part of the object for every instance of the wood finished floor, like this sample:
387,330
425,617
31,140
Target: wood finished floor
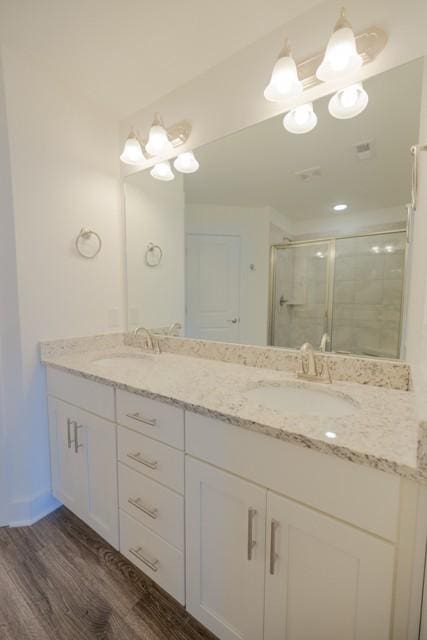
60,581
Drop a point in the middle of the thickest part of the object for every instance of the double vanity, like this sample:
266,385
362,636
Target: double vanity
268,506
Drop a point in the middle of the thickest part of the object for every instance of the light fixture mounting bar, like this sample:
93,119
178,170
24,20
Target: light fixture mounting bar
369,45
178,135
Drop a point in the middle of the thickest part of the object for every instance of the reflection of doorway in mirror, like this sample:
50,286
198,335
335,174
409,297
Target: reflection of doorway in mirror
212,287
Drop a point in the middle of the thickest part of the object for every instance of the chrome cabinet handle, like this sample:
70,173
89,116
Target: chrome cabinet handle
136,502
151,563
139,418
273,553
69,423
251,541
151,464
76,436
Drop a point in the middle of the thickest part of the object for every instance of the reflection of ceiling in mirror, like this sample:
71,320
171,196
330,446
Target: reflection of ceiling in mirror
263,165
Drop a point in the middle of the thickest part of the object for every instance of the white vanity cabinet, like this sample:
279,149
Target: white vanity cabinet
84,466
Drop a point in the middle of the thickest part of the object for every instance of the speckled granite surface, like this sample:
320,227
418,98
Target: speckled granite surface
380,431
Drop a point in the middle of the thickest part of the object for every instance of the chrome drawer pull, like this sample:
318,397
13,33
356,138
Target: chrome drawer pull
139,418
251,541
151,464
76,436
69,423
273,554
152,564
136,502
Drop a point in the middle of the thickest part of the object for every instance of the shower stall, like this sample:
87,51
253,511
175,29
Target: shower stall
350,288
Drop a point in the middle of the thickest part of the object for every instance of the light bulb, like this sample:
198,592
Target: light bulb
301,119
186,162
158,142
348,102
284,82
162,171
341,57
340,207
132,151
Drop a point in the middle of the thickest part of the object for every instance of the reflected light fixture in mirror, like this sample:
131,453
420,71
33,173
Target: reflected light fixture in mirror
340,207
186,162
132,151
162,171
348,102
284,82
341,57
158,142
301,119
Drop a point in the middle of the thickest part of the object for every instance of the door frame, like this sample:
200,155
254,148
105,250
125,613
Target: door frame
330,277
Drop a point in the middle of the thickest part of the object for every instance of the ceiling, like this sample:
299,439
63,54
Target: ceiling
123,55
258,166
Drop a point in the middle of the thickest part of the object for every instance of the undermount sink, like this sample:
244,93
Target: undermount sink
299,400
128,359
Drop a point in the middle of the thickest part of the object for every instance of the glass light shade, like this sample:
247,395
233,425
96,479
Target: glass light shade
186,162
348,102
132,151
301,119
284,81
341,58
158,142
162,171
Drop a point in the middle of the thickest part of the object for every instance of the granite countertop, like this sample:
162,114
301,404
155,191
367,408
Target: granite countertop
382,432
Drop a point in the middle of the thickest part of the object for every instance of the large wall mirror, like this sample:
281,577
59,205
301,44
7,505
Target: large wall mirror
281,238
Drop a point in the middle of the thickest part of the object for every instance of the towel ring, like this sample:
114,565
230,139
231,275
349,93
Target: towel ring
86,234
153,255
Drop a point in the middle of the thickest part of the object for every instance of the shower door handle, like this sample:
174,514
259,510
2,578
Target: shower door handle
233,320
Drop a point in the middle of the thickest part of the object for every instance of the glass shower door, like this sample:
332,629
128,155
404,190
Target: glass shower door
300,293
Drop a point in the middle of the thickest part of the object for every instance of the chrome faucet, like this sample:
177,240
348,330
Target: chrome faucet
151,341
324,341
174,327
310,367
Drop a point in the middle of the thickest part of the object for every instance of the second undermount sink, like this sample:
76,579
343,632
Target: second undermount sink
300,400
126,359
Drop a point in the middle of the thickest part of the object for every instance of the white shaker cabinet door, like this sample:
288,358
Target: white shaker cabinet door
324,579
225,544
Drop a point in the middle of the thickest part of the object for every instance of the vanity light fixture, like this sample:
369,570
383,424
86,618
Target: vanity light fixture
132,151
158,141
341,206
376,249
162,171
348,102
341,58
389,248
186,162
302,119
284,82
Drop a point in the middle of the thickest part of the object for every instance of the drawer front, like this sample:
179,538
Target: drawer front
153,505
155,419
154,459
86,394
359,495
156,558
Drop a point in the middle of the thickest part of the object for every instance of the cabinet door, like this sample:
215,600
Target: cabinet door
225,544
324,579
68,469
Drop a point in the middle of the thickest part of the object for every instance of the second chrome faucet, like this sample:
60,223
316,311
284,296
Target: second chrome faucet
311,367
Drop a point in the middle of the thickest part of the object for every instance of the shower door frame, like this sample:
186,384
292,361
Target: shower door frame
330,277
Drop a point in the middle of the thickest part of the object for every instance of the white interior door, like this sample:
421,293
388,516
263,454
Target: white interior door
325,580
225,550
212,287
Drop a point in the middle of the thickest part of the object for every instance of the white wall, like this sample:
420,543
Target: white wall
155,213
65,175
253,227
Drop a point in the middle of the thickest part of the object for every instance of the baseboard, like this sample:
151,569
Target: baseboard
25,512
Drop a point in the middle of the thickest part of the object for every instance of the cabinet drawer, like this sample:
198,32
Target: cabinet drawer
153,459
155,419
362,496
153,505
86,394
159,560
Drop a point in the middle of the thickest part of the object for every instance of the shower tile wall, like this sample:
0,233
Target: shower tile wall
368,294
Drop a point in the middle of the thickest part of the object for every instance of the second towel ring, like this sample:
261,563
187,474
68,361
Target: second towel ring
153,255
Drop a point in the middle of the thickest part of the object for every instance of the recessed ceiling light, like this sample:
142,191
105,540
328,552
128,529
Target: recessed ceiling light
340,206
331,435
